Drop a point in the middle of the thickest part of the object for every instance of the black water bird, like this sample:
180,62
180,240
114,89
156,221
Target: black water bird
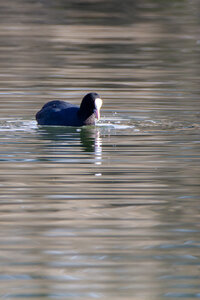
61,113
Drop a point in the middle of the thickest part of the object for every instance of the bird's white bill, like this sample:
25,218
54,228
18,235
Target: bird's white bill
98,104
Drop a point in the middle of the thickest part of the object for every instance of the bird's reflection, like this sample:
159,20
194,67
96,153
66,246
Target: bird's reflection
98,148
92,142
88,137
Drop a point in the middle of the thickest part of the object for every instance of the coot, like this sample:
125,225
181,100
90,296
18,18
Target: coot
62,113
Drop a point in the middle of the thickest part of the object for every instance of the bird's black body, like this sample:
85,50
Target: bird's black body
61,113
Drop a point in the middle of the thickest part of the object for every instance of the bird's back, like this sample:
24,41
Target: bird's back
58,112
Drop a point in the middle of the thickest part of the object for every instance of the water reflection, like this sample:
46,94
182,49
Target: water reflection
112,211
64,137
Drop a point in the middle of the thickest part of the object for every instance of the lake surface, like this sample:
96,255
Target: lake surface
109,211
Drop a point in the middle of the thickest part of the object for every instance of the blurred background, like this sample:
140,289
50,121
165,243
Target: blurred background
112,211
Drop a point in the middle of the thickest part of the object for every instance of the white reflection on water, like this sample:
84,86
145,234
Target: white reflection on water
13,125
98,150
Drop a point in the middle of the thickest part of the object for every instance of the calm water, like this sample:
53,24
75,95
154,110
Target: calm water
112,211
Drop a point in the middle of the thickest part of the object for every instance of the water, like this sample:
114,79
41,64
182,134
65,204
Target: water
109,211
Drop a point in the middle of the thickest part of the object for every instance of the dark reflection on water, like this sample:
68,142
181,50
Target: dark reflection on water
88,136
111,211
